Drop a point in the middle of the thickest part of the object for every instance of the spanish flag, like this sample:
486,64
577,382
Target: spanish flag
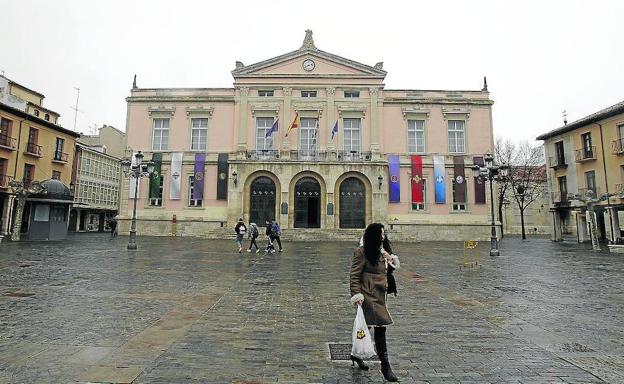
295,124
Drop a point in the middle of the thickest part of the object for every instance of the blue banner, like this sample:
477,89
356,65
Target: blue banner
439,179
394,184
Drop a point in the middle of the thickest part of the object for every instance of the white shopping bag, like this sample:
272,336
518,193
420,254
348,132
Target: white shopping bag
361,338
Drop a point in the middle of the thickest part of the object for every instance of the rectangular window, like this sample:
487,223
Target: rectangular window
308,144
157,201
263,124
57,213
58,152
621,131
421,206
160,140
199,134
559,153
351,94
308,93
37,112
33,136
265,93
5,132
590,181
47,117
416,136
563,186
29,173
352,137
42,212
458,207
191,187
586,140
56,175
4,179
456,136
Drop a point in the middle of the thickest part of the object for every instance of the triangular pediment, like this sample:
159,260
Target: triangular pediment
324,64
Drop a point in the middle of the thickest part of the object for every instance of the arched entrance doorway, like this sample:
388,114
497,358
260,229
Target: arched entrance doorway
261,200
307,203
352,203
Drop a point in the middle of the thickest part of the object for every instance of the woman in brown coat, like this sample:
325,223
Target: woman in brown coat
369,284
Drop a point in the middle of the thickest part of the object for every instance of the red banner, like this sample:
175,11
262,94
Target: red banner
416,179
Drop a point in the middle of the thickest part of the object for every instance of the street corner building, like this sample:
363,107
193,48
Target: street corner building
315,141
34,151
585,178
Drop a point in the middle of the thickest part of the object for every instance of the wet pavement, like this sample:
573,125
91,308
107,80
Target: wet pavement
184,310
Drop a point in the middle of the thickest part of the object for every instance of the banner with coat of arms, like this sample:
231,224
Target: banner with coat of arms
198,174
459,180
439,179
394,185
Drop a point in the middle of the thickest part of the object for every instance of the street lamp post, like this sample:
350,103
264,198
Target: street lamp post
136,169
491,172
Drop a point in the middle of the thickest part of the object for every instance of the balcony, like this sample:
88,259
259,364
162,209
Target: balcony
619,190
4,181
60,157
559,197
308,155
33,149
556,162
585,154
589,193
263,154
617,147
7,142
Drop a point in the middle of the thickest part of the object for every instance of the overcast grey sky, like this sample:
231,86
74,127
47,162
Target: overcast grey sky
540,57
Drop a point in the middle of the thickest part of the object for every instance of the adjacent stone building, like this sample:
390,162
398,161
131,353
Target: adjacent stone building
357,153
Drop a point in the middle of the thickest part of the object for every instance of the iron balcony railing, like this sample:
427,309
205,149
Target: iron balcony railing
60,156
308,155
589,192
559,197
556,162
353,156
7,141
618,146
619,190
263,154
4,180
33,149
585,153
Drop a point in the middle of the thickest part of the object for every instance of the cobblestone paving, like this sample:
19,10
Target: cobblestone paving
193,311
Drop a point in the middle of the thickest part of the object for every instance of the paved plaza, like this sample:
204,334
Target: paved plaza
183,310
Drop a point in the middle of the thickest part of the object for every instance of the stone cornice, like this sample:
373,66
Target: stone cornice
410,100
200,110
161,109
185,99
265,107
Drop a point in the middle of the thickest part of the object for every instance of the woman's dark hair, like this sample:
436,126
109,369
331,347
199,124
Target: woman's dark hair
372,242
387,245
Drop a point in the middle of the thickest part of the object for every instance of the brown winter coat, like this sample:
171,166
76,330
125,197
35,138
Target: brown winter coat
370,281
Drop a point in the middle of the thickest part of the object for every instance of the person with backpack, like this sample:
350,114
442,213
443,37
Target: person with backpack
276,232
253,235
240,230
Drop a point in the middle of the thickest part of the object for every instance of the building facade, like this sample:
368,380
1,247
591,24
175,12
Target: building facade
586,161
357,153
97,180
32,148
109,139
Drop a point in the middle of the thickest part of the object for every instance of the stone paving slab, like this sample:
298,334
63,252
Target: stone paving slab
195,311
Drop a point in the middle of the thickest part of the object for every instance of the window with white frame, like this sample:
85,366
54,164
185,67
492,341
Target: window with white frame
265,93
308,93
457,136
308,142
263,124
160,140
199,134
351,94
352,136
191,187
421,206
416,136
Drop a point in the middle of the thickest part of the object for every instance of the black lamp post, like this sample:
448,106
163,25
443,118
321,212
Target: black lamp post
491,172
136,169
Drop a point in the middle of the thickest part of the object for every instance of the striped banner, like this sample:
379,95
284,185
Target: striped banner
176,176
439,179
394,180
417,181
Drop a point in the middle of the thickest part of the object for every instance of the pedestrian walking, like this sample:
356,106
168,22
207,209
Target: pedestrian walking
253,235
240,230
269,228
368,285
276,232
112,224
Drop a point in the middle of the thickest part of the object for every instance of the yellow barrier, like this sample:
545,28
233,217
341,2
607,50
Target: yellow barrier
471,258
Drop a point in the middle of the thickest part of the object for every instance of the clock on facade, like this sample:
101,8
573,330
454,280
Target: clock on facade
308,65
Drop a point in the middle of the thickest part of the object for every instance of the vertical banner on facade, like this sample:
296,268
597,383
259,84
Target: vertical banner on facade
132,182
459,180
417,182
479,183
154,182
198,187
439,179
222,176
176,176
394,184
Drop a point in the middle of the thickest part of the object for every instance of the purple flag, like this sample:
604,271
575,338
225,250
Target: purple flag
335,129
394,184
274,128
198,188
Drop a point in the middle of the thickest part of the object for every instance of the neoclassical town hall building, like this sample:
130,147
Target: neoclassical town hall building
357,152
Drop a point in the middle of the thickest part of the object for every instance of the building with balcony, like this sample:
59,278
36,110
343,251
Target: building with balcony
586,161
357,152
33,147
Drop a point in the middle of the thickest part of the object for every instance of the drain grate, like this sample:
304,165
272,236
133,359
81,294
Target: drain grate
341,352
575,347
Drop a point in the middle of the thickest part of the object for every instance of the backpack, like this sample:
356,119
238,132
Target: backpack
276,230
253,230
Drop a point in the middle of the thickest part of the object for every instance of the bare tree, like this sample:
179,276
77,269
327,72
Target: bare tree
527,177
504,153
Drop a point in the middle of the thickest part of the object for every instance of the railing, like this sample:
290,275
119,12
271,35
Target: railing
263,154
585,153
4,181
618,146
619,189
60,156
353,156
559,197
589,192
33,149
556,162
7,141
308,155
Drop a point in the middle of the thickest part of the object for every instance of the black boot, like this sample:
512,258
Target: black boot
382,352
359,362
